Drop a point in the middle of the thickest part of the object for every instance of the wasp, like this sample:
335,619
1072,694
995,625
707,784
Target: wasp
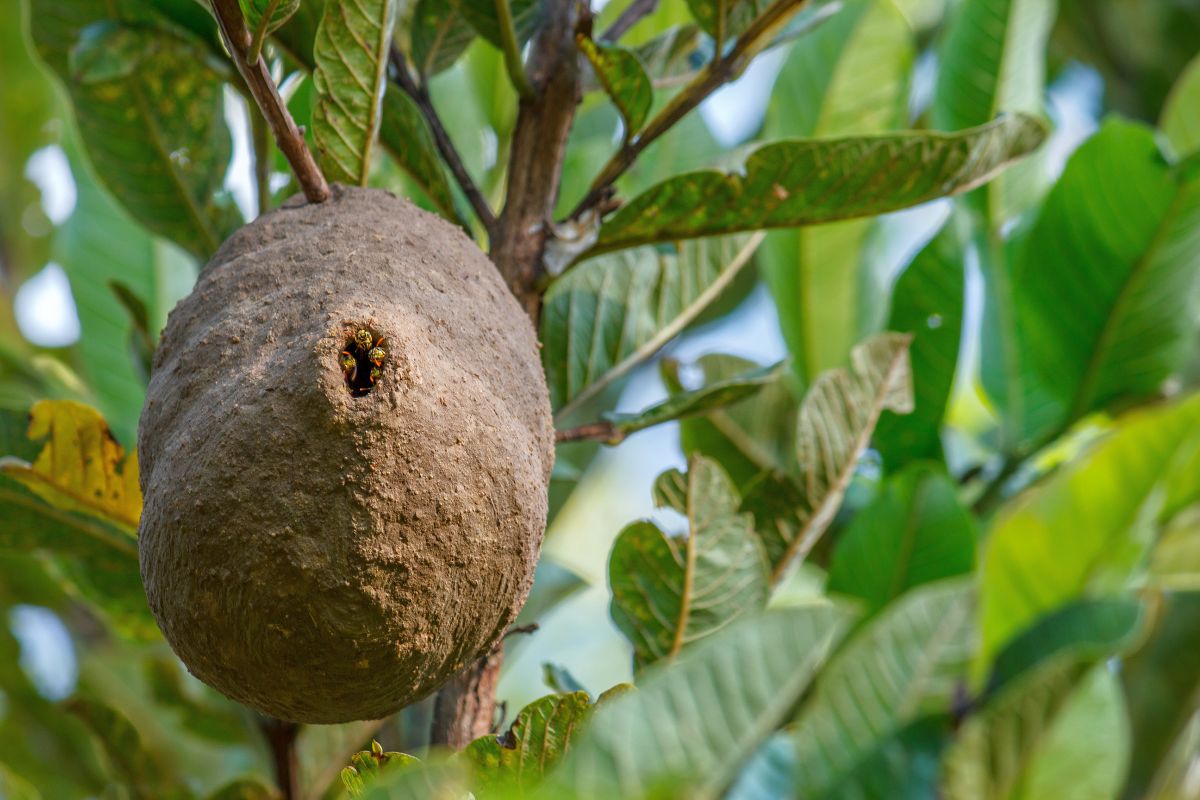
377,354
349,365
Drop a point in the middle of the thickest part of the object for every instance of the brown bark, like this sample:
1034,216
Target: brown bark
465,708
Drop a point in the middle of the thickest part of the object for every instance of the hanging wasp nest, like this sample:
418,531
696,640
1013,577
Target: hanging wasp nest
345,451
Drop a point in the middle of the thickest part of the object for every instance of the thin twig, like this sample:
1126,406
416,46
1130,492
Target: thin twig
512,49
404,79
261,135
632,15
522,630
281,741
718,72
602,431
266,95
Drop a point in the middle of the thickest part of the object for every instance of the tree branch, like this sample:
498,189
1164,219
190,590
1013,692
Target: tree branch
632,15
465,708
718,72
266,95
601,431
281,741
404,79
261,136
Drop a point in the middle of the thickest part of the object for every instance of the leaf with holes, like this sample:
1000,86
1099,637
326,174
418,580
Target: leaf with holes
623,78
155,134
517,760
668,591
351,56
806,182
604,317
692,724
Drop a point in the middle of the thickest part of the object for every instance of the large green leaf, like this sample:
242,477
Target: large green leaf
624,79
915,531
1116,244
850,76
691,726
517,760
156,133
1087,528
351,57
904,665
836,419
928,303
805,182
667,591
606,316
1180,121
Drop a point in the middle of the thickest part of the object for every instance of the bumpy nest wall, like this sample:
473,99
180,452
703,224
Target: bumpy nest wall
323,557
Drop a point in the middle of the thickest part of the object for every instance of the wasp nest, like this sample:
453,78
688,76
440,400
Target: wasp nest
344,452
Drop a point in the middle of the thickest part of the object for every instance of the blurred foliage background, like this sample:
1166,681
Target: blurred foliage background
1052,454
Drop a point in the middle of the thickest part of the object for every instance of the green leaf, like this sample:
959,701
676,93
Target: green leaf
623,78
836,420
672,56
691,725
770,772
156,135
1161,682
1180,122
428,780
106,51
915,531
928,303
220,723
747,438
1116,243
351,57
806,182
516,761
280,11
560,679
439,34
905,765
904,664
669,592
367,767
1108,502
725,19
526,14
704,400
848,77
137,769
606,316
407,138
243,789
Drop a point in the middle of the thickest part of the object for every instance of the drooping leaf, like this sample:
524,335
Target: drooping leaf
806,182
928,303
1110,500
155,134
137,769
849,77
606,316
1119,254
623,78
836,420
1180,122
277,11
904,665
691,725
351,57
669,592
542,734
702,401
439,36
915,531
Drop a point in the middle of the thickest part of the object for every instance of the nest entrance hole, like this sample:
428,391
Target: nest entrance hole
361,360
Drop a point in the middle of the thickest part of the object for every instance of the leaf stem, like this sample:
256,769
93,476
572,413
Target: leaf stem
721,70
420,95
266,96
260,34
512,50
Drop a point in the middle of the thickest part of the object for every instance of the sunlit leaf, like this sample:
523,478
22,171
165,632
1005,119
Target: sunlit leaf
691,725
1180,121
541,735
915,531
623,78
351,57
669,591
805,182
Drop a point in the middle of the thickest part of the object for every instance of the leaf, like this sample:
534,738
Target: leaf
669,592
745,438
439,34
903,665
156,135
106,51
905,764
222,724
526,15
770,772
428,780
928,303
725,19
280,11
560,679
140,771
243,789
351,57
606,316
541,735
1180,122
407,138
805,182
1109,501
704,400
672,56
1161,682
691,725
623,78
368,766
836,419
850,76
1116,243
915,531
